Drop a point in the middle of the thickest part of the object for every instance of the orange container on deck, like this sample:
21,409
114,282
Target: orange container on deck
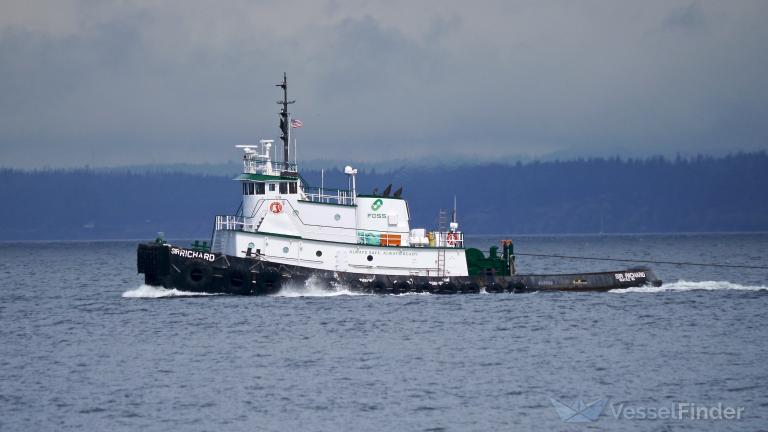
390,239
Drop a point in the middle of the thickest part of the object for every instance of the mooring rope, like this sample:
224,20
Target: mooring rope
645,261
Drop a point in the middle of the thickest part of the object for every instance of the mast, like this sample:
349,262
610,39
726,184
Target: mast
453,216
285,125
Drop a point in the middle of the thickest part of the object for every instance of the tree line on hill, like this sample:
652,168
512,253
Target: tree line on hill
700,194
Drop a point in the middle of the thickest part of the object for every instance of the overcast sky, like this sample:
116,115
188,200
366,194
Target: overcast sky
131,82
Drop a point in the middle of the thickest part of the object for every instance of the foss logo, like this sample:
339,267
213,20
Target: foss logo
375,206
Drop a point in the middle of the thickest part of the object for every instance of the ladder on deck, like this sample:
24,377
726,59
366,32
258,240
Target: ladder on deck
261,219
442,220
218,243
261,211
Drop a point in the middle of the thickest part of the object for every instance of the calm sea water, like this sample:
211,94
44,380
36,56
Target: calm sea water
83,345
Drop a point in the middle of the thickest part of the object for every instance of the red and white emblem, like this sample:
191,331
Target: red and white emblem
276,207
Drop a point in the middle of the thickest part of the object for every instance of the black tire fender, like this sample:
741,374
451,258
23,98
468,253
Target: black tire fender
238,280
401,287
269,281
517,287
196,275
494,288
448,288
470,288
378,287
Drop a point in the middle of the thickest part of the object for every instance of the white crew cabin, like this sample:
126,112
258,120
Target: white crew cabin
284,220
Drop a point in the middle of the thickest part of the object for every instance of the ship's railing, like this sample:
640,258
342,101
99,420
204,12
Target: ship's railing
328,195
255,166
448,239
233,223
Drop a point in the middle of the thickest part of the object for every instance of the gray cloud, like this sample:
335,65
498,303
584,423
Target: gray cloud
111,83
688,17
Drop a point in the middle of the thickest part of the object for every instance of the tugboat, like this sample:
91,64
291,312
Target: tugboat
286,232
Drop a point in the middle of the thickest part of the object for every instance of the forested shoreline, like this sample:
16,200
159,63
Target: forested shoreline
561,197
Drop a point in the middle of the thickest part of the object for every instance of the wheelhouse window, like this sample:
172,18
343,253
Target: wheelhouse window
250,189
259,188
292,187
283,187
245,188
271,187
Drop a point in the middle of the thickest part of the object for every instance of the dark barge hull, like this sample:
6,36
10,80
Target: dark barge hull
197,271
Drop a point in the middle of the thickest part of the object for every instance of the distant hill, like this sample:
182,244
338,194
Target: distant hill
579,196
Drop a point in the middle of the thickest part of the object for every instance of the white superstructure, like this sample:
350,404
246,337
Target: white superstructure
285,221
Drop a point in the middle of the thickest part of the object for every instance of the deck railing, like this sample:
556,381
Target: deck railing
328,195
233,223
449,239
256,166
441,239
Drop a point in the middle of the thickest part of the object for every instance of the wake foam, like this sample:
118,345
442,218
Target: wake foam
148,291
692,286
314,288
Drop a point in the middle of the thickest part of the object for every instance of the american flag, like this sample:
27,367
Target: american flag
296,123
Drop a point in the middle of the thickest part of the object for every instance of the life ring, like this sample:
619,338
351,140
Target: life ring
451,239
276,207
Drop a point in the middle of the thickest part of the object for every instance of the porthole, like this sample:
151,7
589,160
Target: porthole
285,249
337,217
370,258
319,253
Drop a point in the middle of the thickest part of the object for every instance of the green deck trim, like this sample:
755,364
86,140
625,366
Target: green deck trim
262,177
325,203
379,196
271,234
267,233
